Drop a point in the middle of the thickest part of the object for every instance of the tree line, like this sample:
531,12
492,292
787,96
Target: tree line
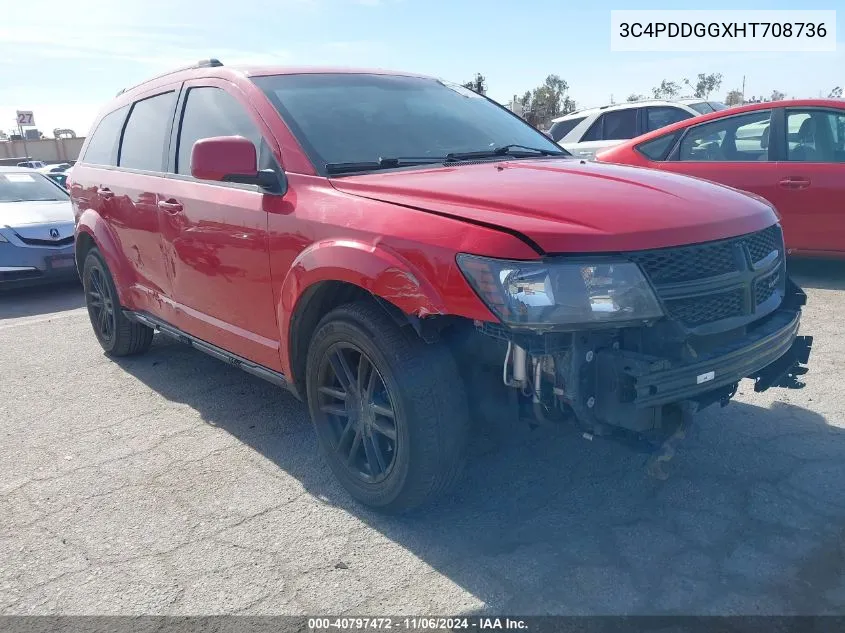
551,99
539,106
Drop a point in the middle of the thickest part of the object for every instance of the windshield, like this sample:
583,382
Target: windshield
354,118
22,187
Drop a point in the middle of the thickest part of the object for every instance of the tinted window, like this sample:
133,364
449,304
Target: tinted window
736,138
102,148
362,117
212,112
717,107
145,135
657,118
815,136
702,107
619,125
24,187
594,133
658,148
58,177
562,128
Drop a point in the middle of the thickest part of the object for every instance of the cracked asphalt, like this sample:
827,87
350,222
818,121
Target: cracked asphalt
174,484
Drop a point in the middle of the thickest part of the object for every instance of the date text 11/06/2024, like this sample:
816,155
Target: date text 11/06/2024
415,624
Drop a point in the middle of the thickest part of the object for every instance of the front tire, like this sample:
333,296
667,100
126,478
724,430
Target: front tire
389,410
117,335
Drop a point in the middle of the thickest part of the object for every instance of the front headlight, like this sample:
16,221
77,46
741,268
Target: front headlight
562,295
2,239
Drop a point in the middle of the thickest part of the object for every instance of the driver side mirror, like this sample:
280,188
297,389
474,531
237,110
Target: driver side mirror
231,159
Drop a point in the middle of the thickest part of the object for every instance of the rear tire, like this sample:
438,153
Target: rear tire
117,335
389,410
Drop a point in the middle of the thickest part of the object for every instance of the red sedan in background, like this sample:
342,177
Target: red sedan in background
792,153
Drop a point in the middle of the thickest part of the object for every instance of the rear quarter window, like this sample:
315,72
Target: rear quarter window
562,128
658,149
102,148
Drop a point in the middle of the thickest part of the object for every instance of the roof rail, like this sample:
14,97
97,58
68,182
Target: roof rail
212,62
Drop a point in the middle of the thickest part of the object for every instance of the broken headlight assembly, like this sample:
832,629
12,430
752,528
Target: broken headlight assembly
562,295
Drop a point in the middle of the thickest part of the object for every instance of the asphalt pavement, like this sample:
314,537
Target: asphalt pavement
174,484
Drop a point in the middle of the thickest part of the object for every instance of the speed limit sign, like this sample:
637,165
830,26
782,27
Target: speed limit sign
25,118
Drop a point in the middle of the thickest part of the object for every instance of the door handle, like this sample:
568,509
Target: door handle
105,192
170,206
796,182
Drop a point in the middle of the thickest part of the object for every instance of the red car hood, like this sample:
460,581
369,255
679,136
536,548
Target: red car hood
573,206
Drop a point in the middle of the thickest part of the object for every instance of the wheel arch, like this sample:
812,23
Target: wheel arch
330,274
92,231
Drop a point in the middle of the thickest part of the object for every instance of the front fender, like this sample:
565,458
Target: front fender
92,224
376,269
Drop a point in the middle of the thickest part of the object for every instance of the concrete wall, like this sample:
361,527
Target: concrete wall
51,150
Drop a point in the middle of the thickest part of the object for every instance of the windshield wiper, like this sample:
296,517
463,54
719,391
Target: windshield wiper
505,150
382,163
410,161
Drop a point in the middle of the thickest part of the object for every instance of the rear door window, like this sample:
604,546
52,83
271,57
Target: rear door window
613,126
815,136
146,133
620,125
658,117
102,148
560,129
594,133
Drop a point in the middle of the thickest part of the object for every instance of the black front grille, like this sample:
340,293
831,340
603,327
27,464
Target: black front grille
687,263
710,259
721,276
762,243
35,242
765,287
699,310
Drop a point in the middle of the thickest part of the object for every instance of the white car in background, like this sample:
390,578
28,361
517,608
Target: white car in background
55,168
586,132
703,106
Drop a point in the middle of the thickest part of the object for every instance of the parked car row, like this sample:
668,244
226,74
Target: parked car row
585,132
403,254
792,153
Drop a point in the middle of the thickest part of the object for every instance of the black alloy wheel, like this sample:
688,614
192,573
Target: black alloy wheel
117,334
389,409
101,303
355,404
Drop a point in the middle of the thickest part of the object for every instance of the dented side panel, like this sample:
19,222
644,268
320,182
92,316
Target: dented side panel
401,255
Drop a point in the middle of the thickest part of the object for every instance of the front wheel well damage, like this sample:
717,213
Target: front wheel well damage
323,297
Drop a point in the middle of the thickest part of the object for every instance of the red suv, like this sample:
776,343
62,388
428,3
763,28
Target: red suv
406,255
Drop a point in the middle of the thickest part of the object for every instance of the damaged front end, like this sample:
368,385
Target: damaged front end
640,341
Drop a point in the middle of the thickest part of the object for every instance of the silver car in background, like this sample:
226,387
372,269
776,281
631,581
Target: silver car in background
36,230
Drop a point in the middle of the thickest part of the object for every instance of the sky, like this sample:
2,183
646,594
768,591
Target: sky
65,60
